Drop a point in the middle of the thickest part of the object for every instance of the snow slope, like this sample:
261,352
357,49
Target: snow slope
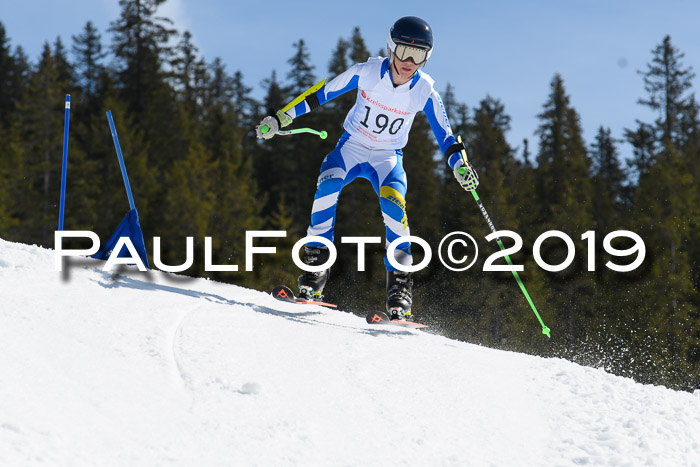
148,369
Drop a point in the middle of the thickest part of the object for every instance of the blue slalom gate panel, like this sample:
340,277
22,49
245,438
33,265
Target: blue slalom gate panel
129,227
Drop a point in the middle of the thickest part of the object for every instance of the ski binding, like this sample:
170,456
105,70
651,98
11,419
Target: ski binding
285,294
379,317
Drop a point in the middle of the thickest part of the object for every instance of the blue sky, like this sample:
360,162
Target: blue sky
504,48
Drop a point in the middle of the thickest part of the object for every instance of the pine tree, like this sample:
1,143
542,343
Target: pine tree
667,202
524,189
269,174
668,208
237,202
690,144
219,87
6,69
246,113
338,107
339,58
9,183
82,189
275,97
39,125
136,151
457,212
523,195
92,163
63,67
280,268
189,76
689,139
564,193
140,49
359,53
19,76
300,75
458,113
7,106
612,212
301,157
186,72
563,164
189,205
644,147
87,49
608,182
14,77
667,82
424,166
493,158
140,46
245,105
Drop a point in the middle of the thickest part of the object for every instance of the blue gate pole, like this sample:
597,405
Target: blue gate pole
121,160
65,164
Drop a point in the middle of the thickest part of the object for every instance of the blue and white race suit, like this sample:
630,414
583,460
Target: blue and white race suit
376,129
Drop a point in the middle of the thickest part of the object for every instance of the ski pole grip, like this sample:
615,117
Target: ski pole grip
264,129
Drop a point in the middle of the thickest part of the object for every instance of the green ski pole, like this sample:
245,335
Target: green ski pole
545,329
321,134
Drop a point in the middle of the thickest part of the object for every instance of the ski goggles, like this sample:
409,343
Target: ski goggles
418,55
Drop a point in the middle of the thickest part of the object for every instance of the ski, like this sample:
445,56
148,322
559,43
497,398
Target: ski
285,294
379,317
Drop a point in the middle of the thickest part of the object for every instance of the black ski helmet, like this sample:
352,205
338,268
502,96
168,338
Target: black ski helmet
410,31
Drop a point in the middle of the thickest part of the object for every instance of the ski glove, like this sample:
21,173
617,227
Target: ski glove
273,123
466,175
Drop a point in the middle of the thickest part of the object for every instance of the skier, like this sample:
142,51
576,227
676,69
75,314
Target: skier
390,93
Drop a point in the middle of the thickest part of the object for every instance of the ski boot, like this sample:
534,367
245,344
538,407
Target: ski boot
398,295
311,283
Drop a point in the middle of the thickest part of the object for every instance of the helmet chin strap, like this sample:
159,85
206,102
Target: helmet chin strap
393,64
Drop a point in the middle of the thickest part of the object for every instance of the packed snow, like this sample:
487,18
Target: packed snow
134,368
